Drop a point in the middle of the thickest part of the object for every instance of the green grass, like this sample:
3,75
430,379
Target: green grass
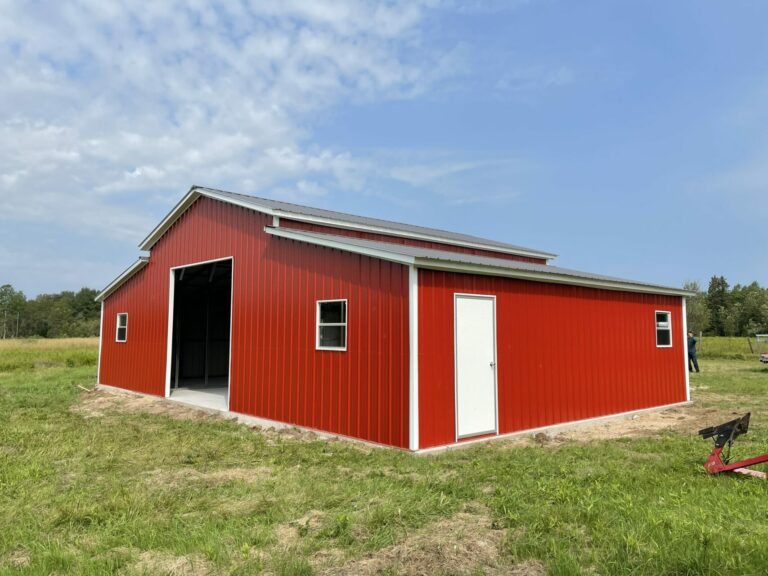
131,492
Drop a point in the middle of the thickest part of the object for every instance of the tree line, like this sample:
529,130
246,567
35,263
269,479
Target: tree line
723,310
66,314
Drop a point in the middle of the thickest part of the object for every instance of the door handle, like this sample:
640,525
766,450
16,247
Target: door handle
493,364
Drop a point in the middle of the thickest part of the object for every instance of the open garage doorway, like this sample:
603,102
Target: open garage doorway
201,317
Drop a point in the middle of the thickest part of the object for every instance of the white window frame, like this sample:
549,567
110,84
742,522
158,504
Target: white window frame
317,325
658,327
117,327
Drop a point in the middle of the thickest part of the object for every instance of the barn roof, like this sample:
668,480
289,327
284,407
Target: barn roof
337,219
470,263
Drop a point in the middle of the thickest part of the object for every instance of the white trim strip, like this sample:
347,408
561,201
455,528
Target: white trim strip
101,339
341,245
450,266
413,354
169,339
124,277
548,277
196,192
685,353
552,429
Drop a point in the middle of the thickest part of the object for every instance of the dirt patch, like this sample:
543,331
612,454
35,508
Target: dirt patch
152,562
688,420
288,533
101,403
19,558
464,543
176,478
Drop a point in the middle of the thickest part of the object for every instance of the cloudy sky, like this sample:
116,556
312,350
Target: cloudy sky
628,137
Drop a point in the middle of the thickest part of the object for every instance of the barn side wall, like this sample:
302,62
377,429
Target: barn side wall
322,229
564,353
276,372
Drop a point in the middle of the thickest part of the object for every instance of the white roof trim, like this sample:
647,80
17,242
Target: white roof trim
122,279
487,270
392,256
195,192
552,278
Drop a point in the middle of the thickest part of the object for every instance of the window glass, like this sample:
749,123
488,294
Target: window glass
332,325
122,328
663,329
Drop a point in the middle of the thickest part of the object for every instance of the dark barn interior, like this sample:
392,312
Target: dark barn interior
201,320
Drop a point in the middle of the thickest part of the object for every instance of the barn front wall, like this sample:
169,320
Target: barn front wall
276,371
564,353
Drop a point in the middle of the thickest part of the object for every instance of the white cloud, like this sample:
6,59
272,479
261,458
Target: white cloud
109,106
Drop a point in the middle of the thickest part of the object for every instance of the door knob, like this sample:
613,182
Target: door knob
493,364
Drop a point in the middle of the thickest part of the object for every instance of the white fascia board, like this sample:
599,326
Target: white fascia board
195,192
548,277
168,221
341,245
124,277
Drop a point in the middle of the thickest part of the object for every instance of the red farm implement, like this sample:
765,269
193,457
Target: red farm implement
724,436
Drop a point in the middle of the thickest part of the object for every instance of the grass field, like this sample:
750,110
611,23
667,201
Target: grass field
99,483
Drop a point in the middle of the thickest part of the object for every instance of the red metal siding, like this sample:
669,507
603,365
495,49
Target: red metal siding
321,229
564,353
276,372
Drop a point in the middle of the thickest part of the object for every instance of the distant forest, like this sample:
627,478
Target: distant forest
66,314
721,310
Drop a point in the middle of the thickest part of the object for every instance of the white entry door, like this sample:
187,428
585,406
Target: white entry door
475,339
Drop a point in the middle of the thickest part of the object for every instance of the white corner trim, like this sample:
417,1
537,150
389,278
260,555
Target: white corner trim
276,221
341,245
685,352
123,278
101,339
413,355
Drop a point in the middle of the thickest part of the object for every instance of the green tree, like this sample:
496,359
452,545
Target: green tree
718,302
12,304
696,308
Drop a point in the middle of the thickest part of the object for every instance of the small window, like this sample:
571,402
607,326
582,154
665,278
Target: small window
122,328
332,325
663,330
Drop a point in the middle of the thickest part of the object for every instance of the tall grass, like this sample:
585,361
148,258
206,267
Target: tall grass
31,354
730,347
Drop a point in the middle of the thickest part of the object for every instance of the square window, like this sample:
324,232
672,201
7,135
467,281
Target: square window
121,334
332,325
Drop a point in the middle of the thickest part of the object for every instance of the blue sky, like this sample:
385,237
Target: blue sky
627,137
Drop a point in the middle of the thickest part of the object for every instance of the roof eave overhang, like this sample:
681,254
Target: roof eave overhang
552,278
341,245
122,279
196,192
450,266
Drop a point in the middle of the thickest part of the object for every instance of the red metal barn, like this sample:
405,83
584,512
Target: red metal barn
390,333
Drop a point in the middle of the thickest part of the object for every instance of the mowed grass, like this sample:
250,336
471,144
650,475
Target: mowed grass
131,492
